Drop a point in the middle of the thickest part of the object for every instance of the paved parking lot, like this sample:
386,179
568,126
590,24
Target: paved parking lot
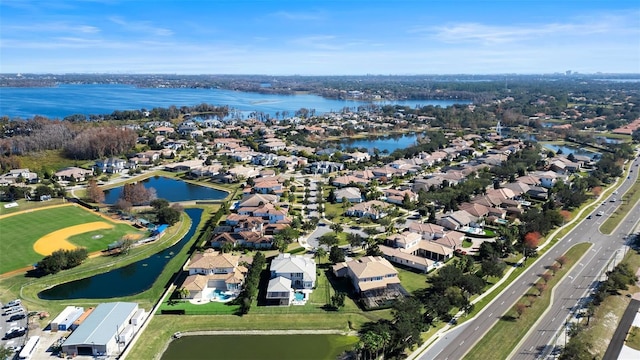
5,325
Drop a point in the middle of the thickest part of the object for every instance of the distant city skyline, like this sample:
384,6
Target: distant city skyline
349,37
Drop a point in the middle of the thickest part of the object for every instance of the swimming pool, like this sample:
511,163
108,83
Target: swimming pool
298,296
219,295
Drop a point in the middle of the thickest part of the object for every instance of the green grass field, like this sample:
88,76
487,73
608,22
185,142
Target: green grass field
19,232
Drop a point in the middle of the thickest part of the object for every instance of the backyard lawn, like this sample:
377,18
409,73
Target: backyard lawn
20,232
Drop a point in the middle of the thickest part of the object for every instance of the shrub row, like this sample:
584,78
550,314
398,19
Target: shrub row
252,281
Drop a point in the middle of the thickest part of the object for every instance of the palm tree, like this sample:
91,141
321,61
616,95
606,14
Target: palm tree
371,341
355,239
320,254
336,228
183,293
386,340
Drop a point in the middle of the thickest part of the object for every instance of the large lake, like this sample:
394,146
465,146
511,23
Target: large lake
64,100
171,190
125,281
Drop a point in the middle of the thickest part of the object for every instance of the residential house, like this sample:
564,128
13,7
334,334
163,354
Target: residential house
246,239
73,174
19,175
273,145
368,273
239,172
183,166
364,174
549,178
351,194
255,200
518,188
456,220
427,231
324,167
405,247
452,240
268,186
205,171
388,172
164,130
357,157
529,180
373,209
397,196
211,270
290,273
564,166
270,212
342,181
111,165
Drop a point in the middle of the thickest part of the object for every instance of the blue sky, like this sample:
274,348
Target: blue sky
331,37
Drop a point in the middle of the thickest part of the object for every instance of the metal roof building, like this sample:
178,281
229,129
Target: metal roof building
99,333
66,318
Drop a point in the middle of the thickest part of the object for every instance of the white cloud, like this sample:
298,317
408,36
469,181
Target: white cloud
492,34
53,27
324,42
145,27
299,16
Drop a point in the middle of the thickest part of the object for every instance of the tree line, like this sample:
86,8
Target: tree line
77,141
61,260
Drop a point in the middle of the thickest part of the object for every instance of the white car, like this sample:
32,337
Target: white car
12,303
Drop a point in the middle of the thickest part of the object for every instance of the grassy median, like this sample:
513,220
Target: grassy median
504,336
629,201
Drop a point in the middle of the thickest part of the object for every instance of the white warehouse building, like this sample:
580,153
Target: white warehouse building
106,331
66,318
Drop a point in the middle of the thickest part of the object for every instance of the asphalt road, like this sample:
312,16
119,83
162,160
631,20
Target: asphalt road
455,344
615,346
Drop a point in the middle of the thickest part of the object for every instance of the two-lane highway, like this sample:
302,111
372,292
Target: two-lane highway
455,344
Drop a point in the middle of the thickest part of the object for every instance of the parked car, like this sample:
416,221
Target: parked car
12,303
600,213
13,310
15,332
18,316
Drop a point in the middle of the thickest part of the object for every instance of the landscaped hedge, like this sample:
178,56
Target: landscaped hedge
252,281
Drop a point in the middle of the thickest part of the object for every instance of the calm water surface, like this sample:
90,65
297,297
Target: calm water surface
126,281
385,143
98,99
566,150
171,190
259,347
